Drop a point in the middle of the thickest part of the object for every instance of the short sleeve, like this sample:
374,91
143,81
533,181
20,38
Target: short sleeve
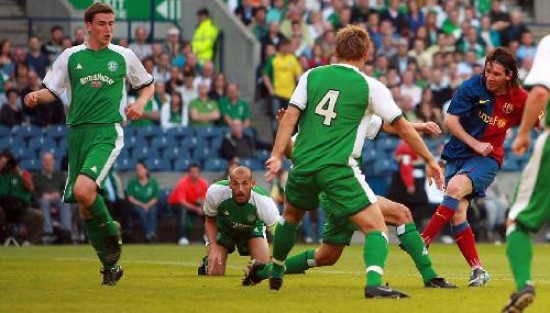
381,101
57,78
540,71
461,103
214,196
299,97
266,208
373,127
136,73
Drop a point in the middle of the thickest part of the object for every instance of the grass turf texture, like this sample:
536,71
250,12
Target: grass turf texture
164,279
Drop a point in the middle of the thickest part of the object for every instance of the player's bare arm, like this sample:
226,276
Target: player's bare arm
429,128
407,133
286,126
452,122
214,250
41,96
534,105
134,111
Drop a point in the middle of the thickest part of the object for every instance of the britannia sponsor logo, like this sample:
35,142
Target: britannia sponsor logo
96,78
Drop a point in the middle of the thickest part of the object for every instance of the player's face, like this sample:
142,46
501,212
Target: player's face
101,29
241,188
496,78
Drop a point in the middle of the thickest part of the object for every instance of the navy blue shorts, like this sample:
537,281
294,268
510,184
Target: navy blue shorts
481,171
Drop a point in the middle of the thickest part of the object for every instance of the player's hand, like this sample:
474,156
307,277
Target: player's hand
521,144
483,148
434,174
31,99
280,114
273,165
215,266
431,128
134,111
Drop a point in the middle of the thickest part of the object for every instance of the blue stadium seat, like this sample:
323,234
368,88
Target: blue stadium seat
157,165
27,132
124,164
203,153
57,132
62,144
182,164
161,143
369,145
40,143
148,132
135,141
216,143
215,164
510,165
6,143
173,153
20,153
262,155
254,165
58,153
286,165
124,153
382,167
193,143
371,155
144,153
180,132
5,132
32,165
209,132
387,143
163,206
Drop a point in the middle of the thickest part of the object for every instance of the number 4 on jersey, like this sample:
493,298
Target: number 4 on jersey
329,100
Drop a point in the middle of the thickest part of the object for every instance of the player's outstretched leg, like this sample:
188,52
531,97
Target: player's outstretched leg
412,243
257,271
464,238
283,241
520,300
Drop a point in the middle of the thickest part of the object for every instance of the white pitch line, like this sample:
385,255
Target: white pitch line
325,270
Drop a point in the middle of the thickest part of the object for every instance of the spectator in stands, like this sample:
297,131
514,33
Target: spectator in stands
48,189
237,144
401,60
432,8
500,20
496,205
441,88
173,42
409,88
470,41
52,113
301,45
527,47
281,75
11,113
79,36
273,37
205,37
415,17
232,107
490,36
6,63
140,46
276,12
395,16
161,96
54,46
181,58
360,11
419,53
526,65
143,193
516,28
259,26
188,91
317,58
426,111
406,105
176,80
16,186
218,87
245,12
36,58
203,111
316,25
451,26
161,71
149,64
174,113
207,75
294,15
187,199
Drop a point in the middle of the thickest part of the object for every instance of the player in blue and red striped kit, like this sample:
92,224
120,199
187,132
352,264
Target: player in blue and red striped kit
483,108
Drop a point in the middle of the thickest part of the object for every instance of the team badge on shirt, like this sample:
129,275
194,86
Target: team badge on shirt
501,123
507,108
112,66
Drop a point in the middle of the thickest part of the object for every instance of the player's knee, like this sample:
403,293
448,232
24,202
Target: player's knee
458,218
84,195
404,215
458,187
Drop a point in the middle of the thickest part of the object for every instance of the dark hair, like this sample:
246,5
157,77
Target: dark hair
192,165
11,162
142,163
96,8
503,57
260,8
203,12
10,91
56,27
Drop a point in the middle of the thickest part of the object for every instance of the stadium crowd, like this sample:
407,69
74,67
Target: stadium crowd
197,120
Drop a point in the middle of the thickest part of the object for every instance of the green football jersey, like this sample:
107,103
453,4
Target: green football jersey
235,218
337,103
12,185
539,73
142,193
95,82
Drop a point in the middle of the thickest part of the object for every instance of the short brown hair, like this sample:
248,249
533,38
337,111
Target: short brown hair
96,8
352,43
503,57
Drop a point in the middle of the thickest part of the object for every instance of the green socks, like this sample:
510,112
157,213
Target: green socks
375,252
296,264
283,241
100,227
519,250
412,243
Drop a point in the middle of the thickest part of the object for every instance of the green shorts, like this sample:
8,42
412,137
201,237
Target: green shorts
229,240
345,189
532,205
338,232
92,151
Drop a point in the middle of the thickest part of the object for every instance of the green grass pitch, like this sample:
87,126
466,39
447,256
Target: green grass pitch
164,279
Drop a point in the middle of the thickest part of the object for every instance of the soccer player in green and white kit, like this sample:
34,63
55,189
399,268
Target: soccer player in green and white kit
94,76
237,213
531,209
332,103
337,233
